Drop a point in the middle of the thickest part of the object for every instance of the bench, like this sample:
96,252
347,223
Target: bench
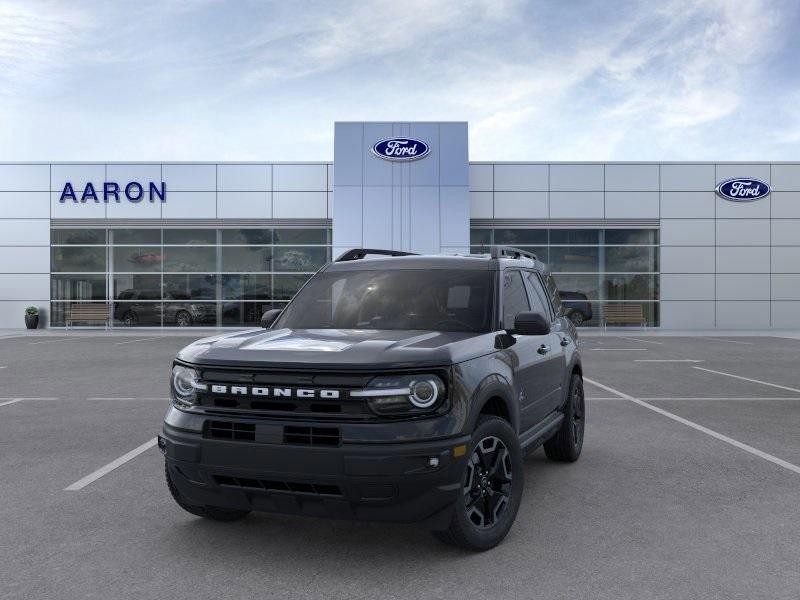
88,313
624,314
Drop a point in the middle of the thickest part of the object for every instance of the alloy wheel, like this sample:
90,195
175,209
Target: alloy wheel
487,485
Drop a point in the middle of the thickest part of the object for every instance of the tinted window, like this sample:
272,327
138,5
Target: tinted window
396,299
539,302
515,298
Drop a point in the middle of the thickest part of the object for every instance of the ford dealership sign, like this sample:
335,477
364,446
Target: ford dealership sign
400,149
743,189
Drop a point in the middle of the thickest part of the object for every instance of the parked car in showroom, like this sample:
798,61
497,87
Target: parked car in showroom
145,307
576,307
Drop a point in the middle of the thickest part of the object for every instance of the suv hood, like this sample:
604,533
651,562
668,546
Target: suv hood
348,349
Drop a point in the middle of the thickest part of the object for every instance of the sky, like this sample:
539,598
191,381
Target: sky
258,81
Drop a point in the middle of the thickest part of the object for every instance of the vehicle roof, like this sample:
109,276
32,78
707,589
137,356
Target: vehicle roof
477,262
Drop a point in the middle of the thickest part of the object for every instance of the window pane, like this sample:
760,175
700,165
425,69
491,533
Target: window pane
137,314
194,237
575,259
246,313
247,237
79,259
521,237
480,236
245,259
577,287
650,310
137,287
575,236
515,298
246,287
631,287
136,236
301,236
78,287
631,259
190,287
83,237
538,300
298,258
631,236
284,287
189,314
137,259
190,259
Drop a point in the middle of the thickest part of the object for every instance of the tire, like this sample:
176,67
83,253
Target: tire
129,319
485,510
577,318
215,513
183,319
566,444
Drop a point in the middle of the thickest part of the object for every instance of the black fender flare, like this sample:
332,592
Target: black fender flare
493,386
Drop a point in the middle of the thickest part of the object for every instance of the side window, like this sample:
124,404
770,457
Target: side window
552,291
539,302
515,298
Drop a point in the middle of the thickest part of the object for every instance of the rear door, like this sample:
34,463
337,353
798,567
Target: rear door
529,365
554,358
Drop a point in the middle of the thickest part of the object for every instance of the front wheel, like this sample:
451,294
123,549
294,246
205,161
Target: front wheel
491,488
567,443
183,319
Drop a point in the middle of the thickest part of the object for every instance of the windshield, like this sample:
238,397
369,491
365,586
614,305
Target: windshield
438,300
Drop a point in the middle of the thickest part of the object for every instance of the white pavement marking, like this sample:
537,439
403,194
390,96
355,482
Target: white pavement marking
723,438
775,385
14,401
618,349
729,341
749,399
92,477
61,339
678,360
639,340
4,367
140,340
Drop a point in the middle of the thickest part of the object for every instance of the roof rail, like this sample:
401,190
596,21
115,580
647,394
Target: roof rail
510,252
359,253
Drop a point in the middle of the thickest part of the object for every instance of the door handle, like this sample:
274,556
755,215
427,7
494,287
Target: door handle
543,349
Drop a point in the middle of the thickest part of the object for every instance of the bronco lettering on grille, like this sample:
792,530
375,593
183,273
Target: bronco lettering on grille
241,390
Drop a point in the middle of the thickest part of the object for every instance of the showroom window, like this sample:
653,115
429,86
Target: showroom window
592,267
179,277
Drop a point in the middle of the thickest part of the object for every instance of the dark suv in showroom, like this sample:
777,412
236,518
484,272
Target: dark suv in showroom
400,388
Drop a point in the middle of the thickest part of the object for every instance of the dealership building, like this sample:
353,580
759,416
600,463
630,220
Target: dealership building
217,244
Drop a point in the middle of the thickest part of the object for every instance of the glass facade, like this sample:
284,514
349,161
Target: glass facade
593,267
180,277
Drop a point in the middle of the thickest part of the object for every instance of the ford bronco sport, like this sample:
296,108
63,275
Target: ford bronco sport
401,388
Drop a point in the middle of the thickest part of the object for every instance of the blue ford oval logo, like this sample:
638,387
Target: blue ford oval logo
400,148
743,189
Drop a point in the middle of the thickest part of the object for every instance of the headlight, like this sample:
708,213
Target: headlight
402,395
185,384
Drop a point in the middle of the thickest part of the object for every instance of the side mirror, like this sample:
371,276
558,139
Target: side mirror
531,323
268,318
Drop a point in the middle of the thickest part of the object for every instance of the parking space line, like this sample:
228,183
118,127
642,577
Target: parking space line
670,360
14,401
160,399
134,341
723,438
640,340
105,470
728,341
618,349
61,339
740,399
775,385
5,401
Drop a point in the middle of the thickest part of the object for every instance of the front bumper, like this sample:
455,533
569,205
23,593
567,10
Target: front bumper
399,482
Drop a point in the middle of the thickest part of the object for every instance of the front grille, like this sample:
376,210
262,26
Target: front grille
229,430
293,487
312,436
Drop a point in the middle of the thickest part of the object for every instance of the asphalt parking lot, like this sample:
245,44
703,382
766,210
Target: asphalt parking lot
688,487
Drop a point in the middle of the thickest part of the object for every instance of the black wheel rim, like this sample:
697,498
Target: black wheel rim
577,318
578,410
487,486
183,320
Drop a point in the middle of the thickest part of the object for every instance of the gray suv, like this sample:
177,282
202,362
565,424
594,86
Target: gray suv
399,388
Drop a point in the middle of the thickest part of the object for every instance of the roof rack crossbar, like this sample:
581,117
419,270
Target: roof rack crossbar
510,252
359,253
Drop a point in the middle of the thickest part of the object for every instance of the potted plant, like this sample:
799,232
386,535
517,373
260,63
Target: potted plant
31,317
